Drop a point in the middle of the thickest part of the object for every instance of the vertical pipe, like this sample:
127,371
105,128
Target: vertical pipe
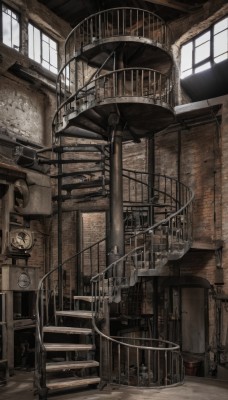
79,259
60,270
155,304
119,363
166,369
206,316
128,366
4,328
149,367
54,301
179,155
137,364
116,244
158,368
111,362
151,171
116,201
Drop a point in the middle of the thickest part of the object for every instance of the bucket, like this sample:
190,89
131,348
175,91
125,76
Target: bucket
192,367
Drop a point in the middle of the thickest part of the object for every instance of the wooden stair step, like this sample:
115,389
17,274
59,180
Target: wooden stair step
68,330
80,148
84,184
72,383
89,299
70,365
68,347
75,313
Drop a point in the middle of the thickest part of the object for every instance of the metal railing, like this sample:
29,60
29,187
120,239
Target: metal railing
114,25
145,250
46,303
135,361
117,22
120,85
141,362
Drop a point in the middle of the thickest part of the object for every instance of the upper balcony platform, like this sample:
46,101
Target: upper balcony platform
143,97
144,36
117,60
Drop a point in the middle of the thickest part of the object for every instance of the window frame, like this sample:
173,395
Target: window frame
17,13
211,58
42,59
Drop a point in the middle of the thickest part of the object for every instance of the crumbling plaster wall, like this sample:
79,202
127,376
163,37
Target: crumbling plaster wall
27,108
22,110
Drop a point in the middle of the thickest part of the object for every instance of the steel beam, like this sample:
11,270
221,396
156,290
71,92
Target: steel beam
177,5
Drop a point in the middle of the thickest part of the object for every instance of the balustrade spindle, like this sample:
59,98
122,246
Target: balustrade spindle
119,363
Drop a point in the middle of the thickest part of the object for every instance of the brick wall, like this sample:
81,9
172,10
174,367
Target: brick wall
199,165
22,109
224,203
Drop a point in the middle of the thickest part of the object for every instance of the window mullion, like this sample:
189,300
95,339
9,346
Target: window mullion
11,30
1,29
41,48
212,45
193,55
208,59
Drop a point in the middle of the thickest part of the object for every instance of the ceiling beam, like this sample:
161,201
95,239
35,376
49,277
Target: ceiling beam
177,5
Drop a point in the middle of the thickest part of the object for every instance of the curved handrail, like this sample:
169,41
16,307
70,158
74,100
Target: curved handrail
40,285
149,349
100,276
148,230
127,173
125,82
97,282
117,340
59,78
97,25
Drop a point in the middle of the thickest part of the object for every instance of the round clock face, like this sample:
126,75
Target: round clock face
21,239
24,280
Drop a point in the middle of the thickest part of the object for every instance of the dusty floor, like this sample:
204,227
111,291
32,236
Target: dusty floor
20,387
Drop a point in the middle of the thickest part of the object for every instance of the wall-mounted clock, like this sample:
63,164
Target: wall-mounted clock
24,280
21,239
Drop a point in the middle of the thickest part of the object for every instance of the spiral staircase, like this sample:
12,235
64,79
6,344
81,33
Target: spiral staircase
116,85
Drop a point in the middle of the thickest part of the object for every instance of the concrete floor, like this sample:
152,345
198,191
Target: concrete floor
20,387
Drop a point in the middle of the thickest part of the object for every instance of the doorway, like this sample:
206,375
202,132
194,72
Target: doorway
92,234
193,320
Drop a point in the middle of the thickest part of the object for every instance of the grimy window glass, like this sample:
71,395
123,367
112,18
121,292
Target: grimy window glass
42,48
206,49
10,28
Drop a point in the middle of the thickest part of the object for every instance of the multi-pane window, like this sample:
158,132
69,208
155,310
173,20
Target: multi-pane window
221,40
42,49
10,27
205,50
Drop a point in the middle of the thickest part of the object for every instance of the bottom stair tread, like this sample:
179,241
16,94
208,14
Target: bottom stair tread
70,365
72,383
68,347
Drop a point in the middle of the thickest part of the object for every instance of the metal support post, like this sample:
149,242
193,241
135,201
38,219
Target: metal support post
116,240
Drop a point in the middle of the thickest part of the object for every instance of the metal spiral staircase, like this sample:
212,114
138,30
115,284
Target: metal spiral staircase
115,86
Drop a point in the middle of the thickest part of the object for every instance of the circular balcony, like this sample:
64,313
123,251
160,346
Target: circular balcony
143,97
143,35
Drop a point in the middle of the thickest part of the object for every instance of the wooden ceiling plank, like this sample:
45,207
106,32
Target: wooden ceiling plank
172,4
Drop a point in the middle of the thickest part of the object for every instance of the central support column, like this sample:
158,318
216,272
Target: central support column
116,238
